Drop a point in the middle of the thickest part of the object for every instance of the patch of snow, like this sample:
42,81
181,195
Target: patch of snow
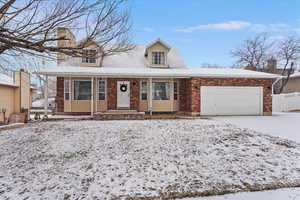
107,159
40,102
153,72
10,125
280,194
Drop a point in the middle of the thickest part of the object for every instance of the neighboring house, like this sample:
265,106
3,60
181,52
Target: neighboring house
272,68
293,85
154,79
15,94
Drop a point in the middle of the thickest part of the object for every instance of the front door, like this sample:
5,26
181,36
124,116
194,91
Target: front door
123,95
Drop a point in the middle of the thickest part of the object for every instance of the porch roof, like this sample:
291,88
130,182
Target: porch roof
153,72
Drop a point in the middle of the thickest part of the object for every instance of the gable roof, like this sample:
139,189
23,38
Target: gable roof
134,58
159,41
6,80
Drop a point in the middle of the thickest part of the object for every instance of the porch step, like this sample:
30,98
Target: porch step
119,115
122,112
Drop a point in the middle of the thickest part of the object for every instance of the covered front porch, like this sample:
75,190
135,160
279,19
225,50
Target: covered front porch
94,95
85,90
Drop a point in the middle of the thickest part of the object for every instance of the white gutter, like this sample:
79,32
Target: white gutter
105,75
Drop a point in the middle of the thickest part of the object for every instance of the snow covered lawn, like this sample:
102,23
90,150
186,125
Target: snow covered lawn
153,158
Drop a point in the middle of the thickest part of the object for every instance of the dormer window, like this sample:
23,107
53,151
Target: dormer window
158,58
89,56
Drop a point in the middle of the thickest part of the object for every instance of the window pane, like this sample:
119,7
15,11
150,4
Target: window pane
67,96
92,58
153,57
144,96
175,96
101,90
66,89
162,58
82,90
144,90
101,96
161,91
175,91
158,58
144,86
89,56
67,86
175,87
102,86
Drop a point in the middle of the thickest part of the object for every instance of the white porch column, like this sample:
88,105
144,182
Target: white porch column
150,96
46,97
96,100
92,96
71,93
172,93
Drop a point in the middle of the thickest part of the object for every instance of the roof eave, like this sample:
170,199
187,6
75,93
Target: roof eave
72,74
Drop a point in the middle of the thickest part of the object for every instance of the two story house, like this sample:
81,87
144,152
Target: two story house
154,79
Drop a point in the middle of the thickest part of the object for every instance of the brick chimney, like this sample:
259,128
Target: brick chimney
271,64
71,41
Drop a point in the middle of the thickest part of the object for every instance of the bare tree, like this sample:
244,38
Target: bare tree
288,53
29,26
253,52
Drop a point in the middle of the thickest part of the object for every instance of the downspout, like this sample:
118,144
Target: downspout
20,88
46,98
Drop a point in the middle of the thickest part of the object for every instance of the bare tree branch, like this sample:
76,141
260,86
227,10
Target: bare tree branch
288,52
30,26
253,52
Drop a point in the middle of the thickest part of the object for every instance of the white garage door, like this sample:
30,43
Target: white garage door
231,100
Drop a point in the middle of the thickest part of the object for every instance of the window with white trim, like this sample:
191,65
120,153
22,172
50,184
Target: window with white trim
89,56
144,90
161,90
101,90
67,89
175,90
82,90
158,58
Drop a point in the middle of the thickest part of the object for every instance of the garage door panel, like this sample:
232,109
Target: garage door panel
231,100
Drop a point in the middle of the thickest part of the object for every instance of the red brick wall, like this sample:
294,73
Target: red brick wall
184,95
112,92
60,94
195,84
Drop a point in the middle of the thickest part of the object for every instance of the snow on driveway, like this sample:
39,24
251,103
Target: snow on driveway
280,194
285,125
169,158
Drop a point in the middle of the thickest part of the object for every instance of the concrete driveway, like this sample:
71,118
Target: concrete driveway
285,125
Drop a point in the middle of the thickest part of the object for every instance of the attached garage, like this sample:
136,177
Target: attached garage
230,100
